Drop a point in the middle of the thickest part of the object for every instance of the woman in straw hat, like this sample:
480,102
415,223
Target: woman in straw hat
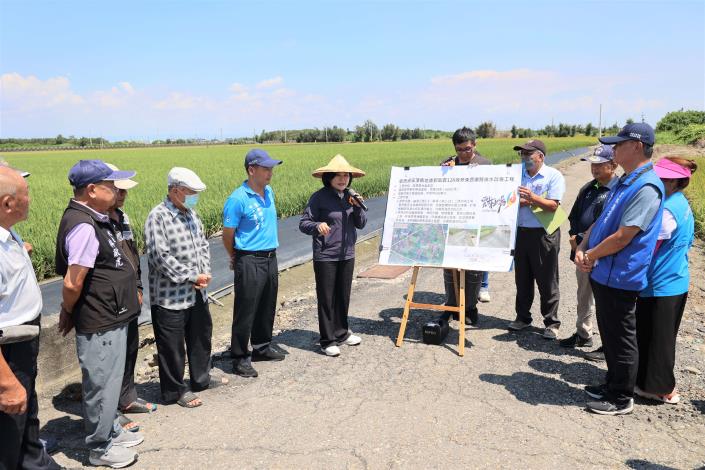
333,217
660,306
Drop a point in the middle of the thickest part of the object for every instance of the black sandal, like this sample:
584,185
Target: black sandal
187,399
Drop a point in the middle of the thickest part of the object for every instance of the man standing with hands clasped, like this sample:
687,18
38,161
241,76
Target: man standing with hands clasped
179,272
617,251
536,252
100,300
250,237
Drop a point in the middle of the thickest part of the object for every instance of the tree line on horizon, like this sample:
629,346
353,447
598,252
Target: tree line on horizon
681,126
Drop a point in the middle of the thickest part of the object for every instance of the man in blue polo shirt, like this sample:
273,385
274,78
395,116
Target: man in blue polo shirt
250,237
617,251
536,252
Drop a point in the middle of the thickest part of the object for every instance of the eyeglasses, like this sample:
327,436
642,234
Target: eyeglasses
525,153
464,149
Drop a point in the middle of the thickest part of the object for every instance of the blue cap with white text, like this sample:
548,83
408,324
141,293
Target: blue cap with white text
639,131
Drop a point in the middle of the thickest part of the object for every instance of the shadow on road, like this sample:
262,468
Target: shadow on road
641,464
531,340
579,373
537,389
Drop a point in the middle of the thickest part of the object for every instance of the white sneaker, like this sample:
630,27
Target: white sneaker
484,295
332,351
128,439
115,457
353,340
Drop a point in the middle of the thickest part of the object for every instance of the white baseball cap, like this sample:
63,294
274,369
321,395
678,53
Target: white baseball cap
179,176
122,184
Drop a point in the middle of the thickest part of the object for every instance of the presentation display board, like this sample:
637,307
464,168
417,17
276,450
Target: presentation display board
462,217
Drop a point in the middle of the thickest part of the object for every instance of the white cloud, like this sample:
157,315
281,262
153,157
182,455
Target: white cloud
493,75
29,92
237,88
184,102
269,83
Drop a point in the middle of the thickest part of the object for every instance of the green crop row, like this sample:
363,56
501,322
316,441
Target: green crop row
221,168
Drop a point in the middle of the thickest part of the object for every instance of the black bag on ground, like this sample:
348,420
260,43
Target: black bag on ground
434,332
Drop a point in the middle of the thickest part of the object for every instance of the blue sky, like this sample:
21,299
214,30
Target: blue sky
151,69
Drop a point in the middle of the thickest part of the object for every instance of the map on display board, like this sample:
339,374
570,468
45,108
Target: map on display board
462,217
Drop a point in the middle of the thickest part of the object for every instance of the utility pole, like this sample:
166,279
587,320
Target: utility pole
642,117
599,126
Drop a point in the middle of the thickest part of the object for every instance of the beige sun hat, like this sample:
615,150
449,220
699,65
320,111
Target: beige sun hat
339,165
122,184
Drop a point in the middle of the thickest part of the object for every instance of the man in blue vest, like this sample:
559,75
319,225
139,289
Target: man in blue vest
617,252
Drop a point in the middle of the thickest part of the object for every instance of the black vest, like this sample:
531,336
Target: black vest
109,296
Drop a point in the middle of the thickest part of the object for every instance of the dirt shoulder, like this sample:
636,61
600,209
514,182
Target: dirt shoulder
514,400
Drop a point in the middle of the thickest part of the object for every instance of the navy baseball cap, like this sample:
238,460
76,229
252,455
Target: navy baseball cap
602,154
87,172
639,131
260,157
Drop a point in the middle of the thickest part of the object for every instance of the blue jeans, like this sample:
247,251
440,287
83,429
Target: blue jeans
485,280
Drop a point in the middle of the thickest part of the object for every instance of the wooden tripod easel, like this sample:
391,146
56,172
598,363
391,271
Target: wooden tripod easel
459,295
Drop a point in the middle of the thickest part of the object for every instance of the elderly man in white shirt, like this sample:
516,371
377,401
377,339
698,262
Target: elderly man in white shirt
20,306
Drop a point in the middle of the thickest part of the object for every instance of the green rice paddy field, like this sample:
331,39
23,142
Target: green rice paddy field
221,168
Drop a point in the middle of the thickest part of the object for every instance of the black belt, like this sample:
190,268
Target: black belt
258,254
527,229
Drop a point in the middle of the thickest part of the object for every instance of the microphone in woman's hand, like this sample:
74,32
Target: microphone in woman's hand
357,197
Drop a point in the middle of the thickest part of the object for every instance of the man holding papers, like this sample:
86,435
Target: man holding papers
538,238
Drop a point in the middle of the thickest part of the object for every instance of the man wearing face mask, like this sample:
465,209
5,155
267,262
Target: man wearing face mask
536,251
179,272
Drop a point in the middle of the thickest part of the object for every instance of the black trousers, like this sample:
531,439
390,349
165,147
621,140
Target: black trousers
536,260
128,392
615,310
256,287
473,282
657,323
19,433
174,328
333,284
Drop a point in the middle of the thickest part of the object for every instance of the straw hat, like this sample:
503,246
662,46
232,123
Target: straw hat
339,165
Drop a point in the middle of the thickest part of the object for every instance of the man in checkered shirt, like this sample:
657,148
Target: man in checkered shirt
179,272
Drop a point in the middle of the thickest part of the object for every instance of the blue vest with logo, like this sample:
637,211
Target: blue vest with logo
668,274
627,268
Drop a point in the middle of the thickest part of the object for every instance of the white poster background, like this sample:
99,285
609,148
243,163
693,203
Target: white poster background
452,216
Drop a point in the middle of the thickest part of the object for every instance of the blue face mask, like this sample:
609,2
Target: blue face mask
529,164
191,201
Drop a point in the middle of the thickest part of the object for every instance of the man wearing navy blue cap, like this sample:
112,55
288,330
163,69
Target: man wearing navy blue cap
585,210
250,237
617,251
99,299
